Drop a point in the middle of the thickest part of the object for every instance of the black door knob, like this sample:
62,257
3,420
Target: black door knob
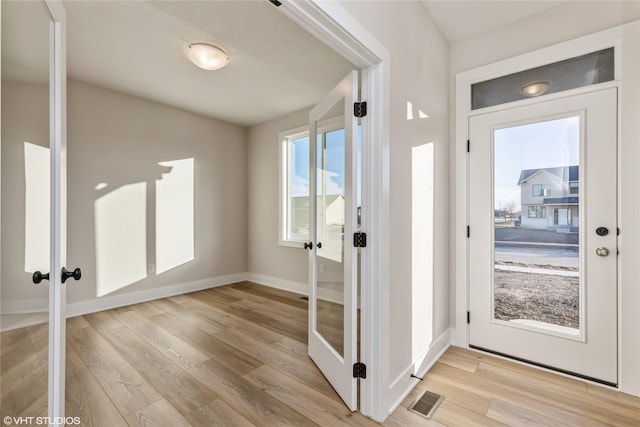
39,277
75,274
308,245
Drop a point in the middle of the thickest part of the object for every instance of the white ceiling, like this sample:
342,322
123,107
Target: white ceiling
459,20
137,47
276,67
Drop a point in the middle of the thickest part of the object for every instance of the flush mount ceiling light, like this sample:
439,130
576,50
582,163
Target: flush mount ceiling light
535,88
207,56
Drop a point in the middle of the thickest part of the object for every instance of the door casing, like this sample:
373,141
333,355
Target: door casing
330,23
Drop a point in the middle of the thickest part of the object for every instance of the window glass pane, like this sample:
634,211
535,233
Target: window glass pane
536,225
586,70
574,187
298,189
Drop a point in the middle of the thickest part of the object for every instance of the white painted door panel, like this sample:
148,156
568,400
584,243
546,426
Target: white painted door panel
546,292
332,259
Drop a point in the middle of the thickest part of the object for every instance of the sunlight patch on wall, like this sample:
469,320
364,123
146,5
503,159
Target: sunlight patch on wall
411,115
174,215
121,238
422,248
37,199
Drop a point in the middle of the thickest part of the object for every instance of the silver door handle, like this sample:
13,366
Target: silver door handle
602,251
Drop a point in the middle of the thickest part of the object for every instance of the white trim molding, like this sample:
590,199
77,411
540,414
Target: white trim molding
123,299
130,298
282,284
404,383
625,40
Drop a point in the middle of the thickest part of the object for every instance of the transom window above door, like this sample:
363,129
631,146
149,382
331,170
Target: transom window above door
585,70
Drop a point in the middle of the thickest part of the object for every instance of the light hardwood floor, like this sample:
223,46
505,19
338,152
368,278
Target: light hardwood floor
237,356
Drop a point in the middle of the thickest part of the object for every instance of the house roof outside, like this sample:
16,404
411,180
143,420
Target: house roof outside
561,172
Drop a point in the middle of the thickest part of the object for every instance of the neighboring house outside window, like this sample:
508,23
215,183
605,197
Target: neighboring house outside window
549,198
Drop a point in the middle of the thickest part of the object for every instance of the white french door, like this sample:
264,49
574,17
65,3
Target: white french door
332,259
543,233
58,208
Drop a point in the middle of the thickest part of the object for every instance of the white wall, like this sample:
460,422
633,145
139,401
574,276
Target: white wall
120,140
419,74
25,118
568,21
267,261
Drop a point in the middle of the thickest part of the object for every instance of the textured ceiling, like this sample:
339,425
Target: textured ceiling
137,47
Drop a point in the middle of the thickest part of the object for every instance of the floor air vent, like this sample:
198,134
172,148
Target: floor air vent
426,404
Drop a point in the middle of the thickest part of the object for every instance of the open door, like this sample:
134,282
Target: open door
332,256
34,164
58,274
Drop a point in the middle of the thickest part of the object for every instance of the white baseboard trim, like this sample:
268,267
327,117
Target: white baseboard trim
403,384
115,301
24,306
274,282
330,295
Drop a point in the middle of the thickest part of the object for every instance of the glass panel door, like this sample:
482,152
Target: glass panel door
330,220
24,340
543,244
332,259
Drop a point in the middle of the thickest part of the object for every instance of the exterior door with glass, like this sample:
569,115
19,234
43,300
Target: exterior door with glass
543,234
332,260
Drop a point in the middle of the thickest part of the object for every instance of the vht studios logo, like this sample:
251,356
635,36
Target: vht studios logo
41,421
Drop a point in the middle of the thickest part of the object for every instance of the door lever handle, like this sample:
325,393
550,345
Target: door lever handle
75,274
39,277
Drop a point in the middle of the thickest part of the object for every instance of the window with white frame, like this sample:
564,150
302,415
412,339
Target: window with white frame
294,176
294,188
537,212
541,190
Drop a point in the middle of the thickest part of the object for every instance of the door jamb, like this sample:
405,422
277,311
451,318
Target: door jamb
330,23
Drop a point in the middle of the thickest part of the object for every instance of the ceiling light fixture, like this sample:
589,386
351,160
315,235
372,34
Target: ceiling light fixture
207,56
535,88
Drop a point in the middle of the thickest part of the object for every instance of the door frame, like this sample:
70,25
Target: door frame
331,24
624,40
58,147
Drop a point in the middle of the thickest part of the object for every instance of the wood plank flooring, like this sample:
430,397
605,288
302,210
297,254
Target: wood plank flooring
237,356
